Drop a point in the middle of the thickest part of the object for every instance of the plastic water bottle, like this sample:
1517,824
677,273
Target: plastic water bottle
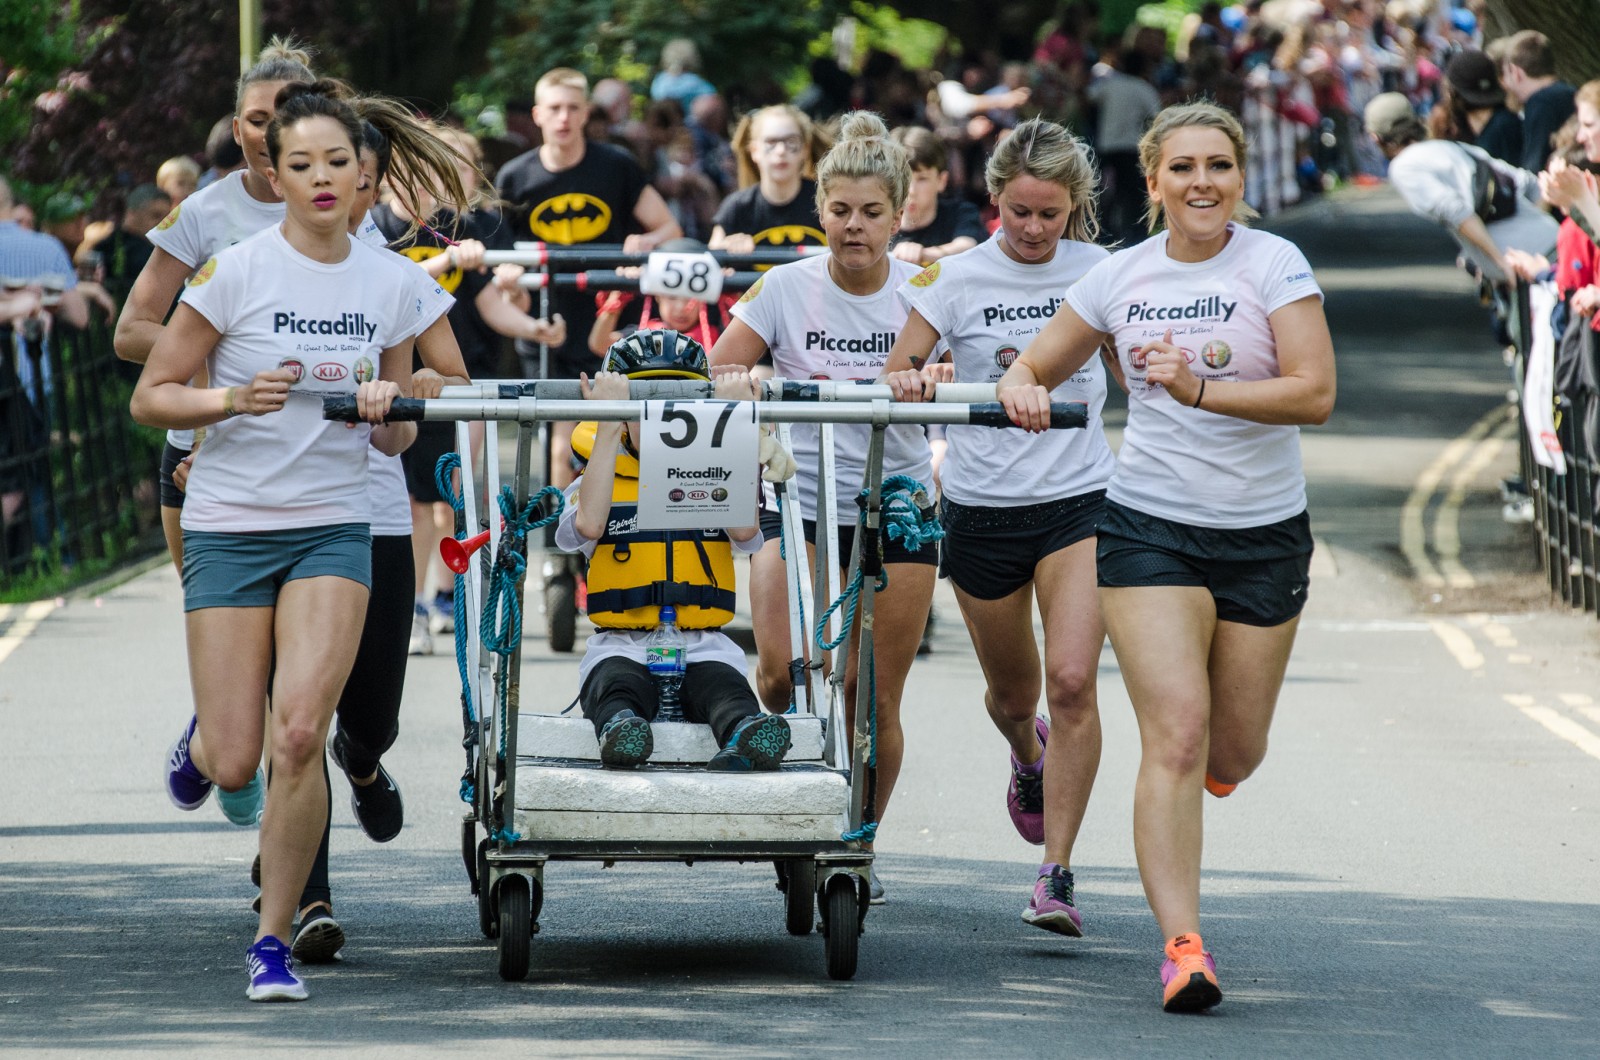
665,655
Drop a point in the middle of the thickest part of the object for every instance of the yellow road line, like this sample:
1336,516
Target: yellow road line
1564,727
1413,536
1447,519
1458,642
29,620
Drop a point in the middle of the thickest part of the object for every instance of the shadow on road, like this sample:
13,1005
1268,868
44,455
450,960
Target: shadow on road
151,958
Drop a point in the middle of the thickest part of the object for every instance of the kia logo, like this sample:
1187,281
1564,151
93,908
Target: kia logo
698,495
330,371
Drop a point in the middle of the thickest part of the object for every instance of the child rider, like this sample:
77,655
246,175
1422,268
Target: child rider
632,574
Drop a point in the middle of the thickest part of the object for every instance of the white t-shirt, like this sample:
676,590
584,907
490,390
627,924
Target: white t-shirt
216,217
700,645
817,330
1435,178
987,307
386,476
1179,463
277,308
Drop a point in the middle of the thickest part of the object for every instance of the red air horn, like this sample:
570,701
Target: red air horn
456,553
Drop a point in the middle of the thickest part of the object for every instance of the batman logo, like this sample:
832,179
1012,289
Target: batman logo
787,236
570,218
449,280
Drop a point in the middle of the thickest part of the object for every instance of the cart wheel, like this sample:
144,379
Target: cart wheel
515,926
469,852
488,915
842,925
800,896
561,611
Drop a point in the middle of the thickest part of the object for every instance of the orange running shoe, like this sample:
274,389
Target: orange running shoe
1189,976
1218,788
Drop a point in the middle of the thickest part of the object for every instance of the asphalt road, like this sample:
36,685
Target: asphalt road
1411,873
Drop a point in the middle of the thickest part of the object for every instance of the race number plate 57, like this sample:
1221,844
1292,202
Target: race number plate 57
696,276
699,463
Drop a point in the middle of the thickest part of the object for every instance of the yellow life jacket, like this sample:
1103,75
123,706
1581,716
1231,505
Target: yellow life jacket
633,572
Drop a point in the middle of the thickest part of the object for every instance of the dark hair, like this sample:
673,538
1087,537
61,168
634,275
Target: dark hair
420,160
926,148
375,143
144,195
1448,118
1529,50
222,150
298,101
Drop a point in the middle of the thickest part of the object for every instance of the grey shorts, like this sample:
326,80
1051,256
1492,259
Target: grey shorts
248,569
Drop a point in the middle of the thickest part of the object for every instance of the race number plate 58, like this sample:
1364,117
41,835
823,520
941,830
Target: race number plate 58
696,276
698,465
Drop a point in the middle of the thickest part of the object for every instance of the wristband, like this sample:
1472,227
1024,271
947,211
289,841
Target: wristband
1200,395
450,253
228,411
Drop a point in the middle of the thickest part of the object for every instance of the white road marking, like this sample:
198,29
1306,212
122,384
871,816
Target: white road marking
1458,642
25,624
1576,699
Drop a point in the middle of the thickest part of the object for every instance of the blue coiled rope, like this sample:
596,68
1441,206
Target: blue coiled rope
502,611
901,517
501,627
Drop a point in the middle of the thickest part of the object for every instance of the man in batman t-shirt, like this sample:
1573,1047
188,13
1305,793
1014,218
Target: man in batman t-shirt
571,191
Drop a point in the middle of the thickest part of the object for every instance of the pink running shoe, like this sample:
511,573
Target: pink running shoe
1025,796
1052,905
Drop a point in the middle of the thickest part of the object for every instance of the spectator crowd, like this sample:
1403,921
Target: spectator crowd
732,166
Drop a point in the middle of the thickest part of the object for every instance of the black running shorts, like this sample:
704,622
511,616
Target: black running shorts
1258,576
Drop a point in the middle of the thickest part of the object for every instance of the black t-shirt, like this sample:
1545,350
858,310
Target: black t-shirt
591,202
124,255
480,344
1545,112
795,223
1502,136
953,218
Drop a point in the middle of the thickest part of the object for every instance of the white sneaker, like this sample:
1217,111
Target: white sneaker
421,640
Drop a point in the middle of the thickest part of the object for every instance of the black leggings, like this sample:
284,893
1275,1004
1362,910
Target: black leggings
369,706
713,693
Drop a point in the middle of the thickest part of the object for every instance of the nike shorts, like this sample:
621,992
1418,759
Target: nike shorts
1258,576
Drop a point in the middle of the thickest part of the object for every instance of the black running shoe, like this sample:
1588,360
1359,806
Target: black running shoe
377,805
758,742
626,740
318,938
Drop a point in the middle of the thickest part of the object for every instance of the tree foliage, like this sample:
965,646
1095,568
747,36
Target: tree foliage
747,48
41,42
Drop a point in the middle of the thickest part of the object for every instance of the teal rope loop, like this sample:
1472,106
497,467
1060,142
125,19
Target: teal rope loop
444,478
443,475
502,611
904,501
505,836
902,516
849,599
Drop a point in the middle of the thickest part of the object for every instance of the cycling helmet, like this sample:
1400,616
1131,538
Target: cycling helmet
657,353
